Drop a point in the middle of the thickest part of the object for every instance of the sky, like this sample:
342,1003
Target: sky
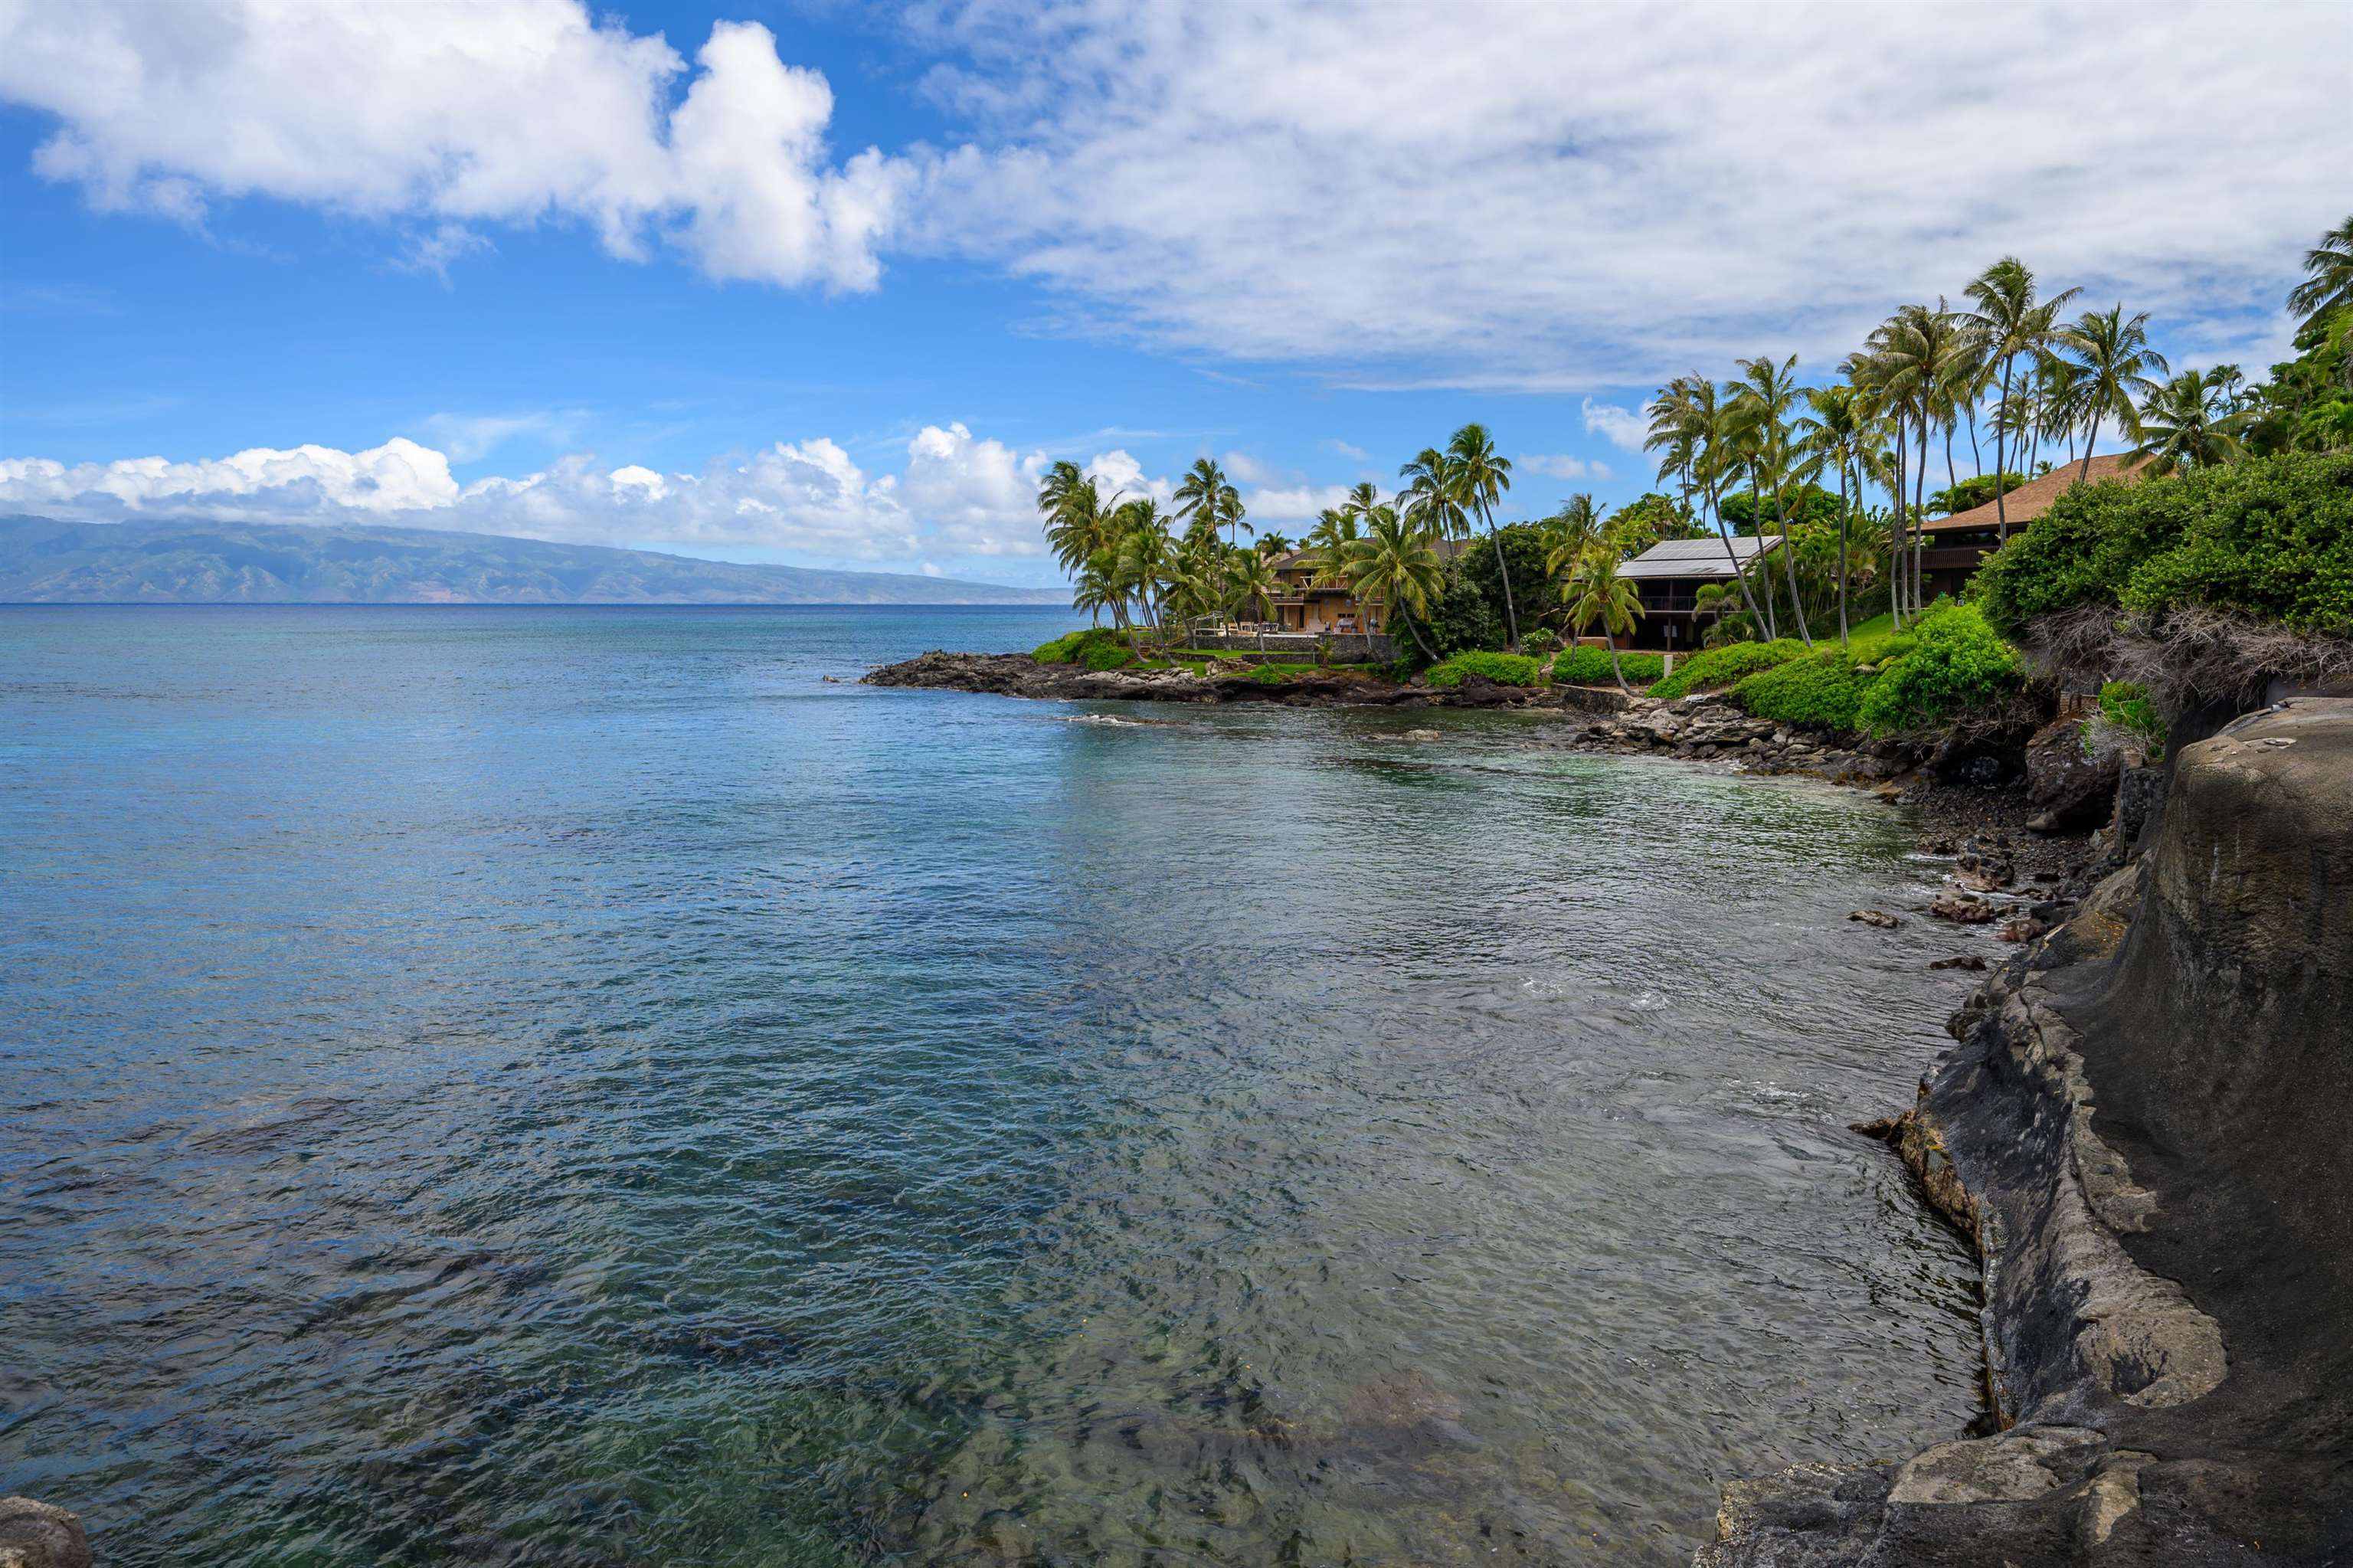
831,285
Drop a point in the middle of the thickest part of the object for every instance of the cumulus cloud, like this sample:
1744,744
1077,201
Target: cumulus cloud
1620,426
1553,465
446,114
1577,197
958,495
397,477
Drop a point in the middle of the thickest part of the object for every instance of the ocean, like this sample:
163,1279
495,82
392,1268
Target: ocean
598,1086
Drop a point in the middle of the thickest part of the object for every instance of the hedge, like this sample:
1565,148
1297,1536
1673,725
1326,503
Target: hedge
2266,537
1959,663
1586,665
1722,666
1825,688
1504,669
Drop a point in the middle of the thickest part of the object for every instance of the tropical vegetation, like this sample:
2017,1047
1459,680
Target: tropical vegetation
2242,504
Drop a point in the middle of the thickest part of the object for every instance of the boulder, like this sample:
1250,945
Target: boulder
2073,786
40,1535
1879,917
1961,908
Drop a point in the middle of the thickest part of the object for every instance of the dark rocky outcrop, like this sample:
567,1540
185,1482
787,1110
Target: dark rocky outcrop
1018,675
2139,1129
40,1535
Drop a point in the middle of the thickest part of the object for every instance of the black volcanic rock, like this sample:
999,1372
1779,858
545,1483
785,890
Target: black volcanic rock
2140,1128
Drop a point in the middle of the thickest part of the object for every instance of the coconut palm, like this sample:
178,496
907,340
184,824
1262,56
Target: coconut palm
1249,582
1207,500
1832,432
1762,401
1273,544
1146,560
1335,529
1687,412
2187,423
2009,321
1363,496
1597,594
2328,280
2112,360
1394,565
1481,478
1431,501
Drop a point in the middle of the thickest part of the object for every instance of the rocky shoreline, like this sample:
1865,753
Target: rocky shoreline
2138,1130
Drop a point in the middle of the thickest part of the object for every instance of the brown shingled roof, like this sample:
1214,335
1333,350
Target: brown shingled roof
2033,498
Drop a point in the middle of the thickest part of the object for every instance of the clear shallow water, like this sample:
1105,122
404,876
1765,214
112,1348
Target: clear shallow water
571,1086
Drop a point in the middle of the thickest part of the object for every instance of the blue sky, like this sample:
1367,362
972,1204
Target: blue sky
509,267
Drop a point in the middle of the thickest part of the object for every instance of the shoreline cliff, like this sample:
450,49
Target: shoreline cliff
2137,1128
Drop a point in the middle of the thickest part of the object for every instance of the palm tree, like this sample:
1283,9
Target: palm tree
1362,498
1208,501
1917,354
1273,544
1251,582
1395,566
1601,595
2328,280
1335,531
2113,359
2010,322
1687,411
1763,399
2185,423
1146,560
1568,535
1430,500
1481,477
1833,433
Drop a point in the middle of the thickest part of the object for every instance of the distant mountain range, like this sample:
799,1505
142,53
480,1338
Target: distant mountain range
44,561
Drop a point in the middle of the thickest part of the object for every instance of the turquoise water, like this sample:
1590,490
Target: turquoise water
574,1086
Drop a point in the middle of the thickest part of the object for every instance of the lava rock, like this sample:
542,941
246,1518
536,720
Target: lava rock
1879,917
40,1535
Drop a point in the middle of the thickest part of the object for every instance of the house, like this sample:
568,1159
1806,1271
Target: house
1306,600
1668,577
1955,546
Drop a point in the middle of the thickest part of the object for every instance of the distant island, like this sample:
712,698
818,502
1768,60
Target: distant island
45,561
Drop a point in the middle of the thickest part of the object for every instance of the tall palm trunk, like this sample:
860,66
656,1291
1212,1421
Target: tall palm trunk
1716,512
1389,611
1919,518
2001,469
1896,535
1511,622
1841,582
2089,436
1790,565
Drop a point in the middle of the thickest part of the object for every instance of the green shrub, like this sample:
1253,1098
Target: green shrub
1825,689
1107,655
2126,704
1082,647
1540,642
1504,669
2266,537
1585,665
1958,664
1722,666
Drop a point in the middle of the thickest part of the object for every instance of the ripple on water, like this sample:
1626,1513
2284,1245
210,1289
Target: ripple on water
568,1087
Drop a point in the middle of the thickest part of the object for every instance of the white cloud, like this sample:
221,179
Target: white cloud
957,496
1292,503
396,477
1620,426
450,114
466,436
1553,465
1345,451
1581,197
